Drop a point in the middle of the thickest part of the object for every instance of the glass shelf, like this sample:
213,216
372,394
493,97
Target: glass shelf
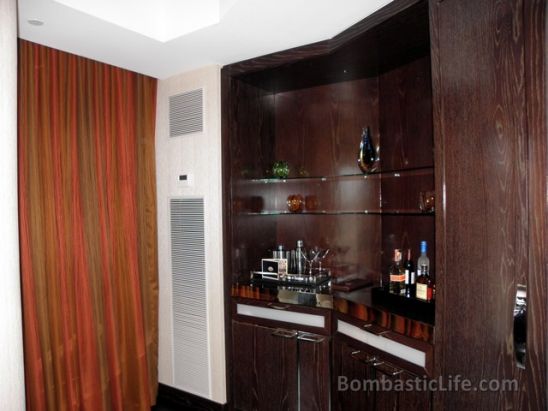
410,172
345,212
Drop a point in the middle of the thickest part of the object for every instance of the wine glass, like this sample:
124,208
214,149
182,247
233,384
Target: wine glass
318,254
309,257
321,257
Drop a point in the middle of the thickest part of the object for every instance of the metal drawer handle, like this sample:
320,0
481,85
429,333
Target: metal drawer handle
368,360
371,360
285,333
278,307
375,329
313,338
391,372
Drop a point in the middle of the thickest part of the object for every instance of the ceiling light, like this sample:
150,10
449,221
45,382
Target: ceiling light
161,20
35,22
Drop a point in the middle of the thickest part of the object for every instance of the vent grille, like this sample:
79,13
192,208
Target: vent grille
191,361
186,113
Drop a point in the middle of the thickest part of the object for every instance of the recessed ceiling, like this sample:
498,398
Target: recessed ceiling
162,38
161,20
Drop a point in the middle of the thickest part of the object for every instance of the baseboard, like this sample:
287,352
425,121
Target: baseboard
177,399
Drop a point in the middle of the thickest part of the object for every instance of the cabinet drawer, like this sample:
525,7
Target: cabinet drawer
415,356
354,361
282,315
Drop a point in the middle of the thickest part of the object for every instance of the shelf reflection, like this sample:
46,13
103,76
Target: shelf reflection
345,212
411,172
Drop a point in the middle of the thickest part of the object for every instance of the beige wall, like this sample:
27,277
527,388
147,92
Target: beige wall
200,156
12,385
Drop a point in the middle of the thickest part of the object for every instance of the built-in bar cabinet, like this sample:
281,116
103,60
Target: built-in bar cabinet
452,92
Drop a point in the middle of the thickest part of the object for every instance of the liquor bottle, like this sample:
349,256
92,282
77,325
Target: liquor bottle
423,272
397,275
282,261
299,258
409,268
430,289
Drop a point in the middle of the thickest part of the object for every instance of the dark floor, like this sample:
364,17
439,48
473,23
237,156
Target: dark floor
169,406
172,399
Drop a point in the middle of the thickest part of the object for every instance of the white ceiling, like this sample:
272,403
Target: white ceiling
247,28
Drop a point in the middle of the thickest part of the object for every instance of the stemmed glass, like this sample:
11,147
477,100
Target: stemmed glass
321,255
309,258
313,255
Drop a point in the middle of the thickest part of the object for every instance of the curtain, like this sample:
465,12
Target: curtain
87,204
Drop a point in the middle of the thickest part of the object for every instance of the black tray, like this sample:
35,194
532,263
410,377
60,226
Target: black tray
409,307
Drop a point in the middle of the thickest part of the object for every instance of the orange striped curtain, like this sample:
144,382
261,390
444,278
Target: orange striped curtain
88,233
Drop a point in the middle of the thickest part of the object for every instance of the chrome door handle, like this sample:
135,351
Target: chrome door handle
313,338
520,325
284,333
277,307
388,369
375,329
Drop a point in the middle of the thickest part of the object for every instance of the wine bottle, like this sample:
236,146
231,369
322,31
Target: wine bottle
397,275
409,268
423,272
367,155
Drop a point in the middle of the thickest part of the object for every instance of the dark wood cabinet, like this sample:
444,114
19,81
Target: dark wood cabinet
280,369
365,380
455,94
351,364
314,372
491,234
266,374
311,113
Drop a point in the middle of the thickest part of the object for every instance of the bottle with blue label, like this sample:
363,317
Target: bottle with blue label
423,273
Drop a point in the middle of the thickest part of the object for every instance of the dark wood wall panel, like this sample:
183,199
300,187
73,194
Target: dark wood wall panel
252,241
252,134
402,191
266,374
251,148
535,26
314,374
319,129
405,121
478,83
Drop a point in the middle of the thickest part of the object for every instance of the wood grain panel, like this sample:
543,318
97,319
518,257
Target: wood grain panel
536,391
478,51
251,149
252,144
349,358
314,376
319,129
347,368
413,400
266,375
401,191
405,121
